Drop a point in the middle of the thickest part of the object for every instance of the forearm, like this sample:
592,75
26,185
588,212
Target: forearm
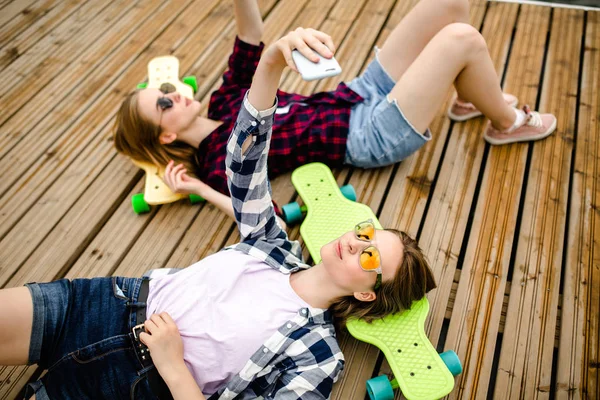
248,20
184,387
265,84
247,171
221,201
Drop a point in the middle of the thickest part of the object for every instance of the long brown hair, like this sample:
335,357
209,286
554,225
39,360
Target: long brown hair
138,138
413,279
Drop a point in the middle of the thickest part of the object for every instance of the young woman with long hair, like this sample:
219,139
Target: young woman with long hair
377,119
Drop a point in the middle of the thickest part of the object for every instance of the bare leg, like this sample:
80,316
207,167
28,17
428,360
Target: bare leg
16,320
457,54
416,29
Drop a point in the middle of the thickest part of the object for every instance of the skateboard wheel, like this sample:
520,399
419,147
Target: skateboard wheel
450,358
348,192
139,204
195,199
142,85
191,81
292,213
379,388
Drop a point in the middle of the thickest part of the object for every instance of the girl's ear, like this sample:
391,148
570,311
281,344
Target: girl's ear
365,296
167,137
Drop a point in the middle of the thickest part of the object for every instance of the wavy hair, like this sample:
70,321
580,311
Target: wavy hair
412,281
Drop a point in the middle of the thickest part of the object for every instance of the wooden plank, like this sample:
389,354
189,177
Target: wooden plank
20,34
91,149
578,353
528,345
12,10
12,379
62,88
54,52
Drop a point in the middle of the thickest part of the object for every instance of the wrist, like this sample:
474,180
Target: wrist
176,374
273,59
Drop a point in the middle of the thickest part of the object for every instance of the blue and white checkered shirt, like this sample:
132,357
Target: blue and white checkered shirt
302,359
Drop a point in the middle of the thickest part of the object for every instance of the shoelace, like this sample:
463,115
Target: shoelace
533,118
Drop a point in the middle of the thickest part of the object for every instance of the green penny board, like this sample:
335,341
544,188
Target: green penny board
329,214
417,366
419,370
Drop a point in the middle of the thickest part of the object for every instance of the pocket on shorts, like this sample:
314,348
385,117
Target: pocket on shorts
100,349
140,389
119,290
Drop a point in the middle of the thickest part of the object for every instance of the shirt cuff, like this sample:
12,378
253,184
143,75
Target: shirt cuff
259,114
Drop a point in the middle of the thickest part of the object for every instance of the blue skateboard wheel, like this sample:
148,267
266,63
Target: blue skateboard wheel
292,213
379,388
139,204
348,192
452,361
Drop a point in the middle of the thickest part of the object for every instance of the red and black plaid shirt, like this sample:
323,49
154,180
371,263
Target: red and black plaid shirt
306,128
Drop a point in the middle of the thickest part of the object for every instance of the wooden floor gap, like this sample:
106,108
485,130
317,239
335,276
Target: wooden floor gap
497,349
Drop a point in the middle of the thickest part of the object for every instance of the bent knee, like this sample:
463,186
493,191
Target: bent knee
462,36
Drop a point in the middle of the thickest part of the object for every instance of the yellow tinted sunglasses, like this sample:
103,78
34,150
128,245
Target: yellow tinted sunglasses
370,258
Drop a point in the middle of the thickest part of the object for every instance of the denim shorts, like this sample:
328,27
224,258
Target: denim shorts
379,133
80,335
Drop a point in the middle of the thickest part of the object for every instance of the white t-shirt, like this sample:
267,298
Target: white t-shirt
225,306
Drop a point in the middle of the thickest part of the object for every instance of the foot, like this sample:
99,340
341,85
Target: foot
461,110
534,126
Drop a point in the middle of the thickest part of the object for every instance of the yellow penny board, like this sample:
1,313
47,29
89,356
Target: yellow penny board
156,190
162,70
418,368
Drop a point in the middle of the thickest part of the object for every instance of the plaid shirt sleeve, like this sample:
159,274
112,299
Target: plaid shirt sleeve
310,382
247,175
242,63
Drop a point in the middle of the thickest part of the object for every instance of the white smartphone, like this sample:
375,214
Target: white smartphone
310,71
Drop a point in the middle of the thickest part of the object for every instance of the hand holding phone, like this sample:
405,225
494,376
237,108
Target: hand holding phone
310,71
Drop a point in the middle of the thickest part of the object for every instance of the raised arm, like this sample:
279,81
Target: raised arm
249,22
248,146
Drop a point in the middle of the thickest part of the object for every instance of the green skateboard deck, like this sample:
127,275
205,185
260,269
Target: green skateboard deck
419,370
329,214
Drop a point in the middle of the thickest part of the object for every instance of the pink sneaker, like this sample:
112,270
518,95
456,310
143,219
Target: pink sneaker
461,111
535,126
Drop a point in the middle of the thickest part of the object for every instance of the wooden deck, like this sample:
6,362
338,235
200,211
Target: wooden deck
512,232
